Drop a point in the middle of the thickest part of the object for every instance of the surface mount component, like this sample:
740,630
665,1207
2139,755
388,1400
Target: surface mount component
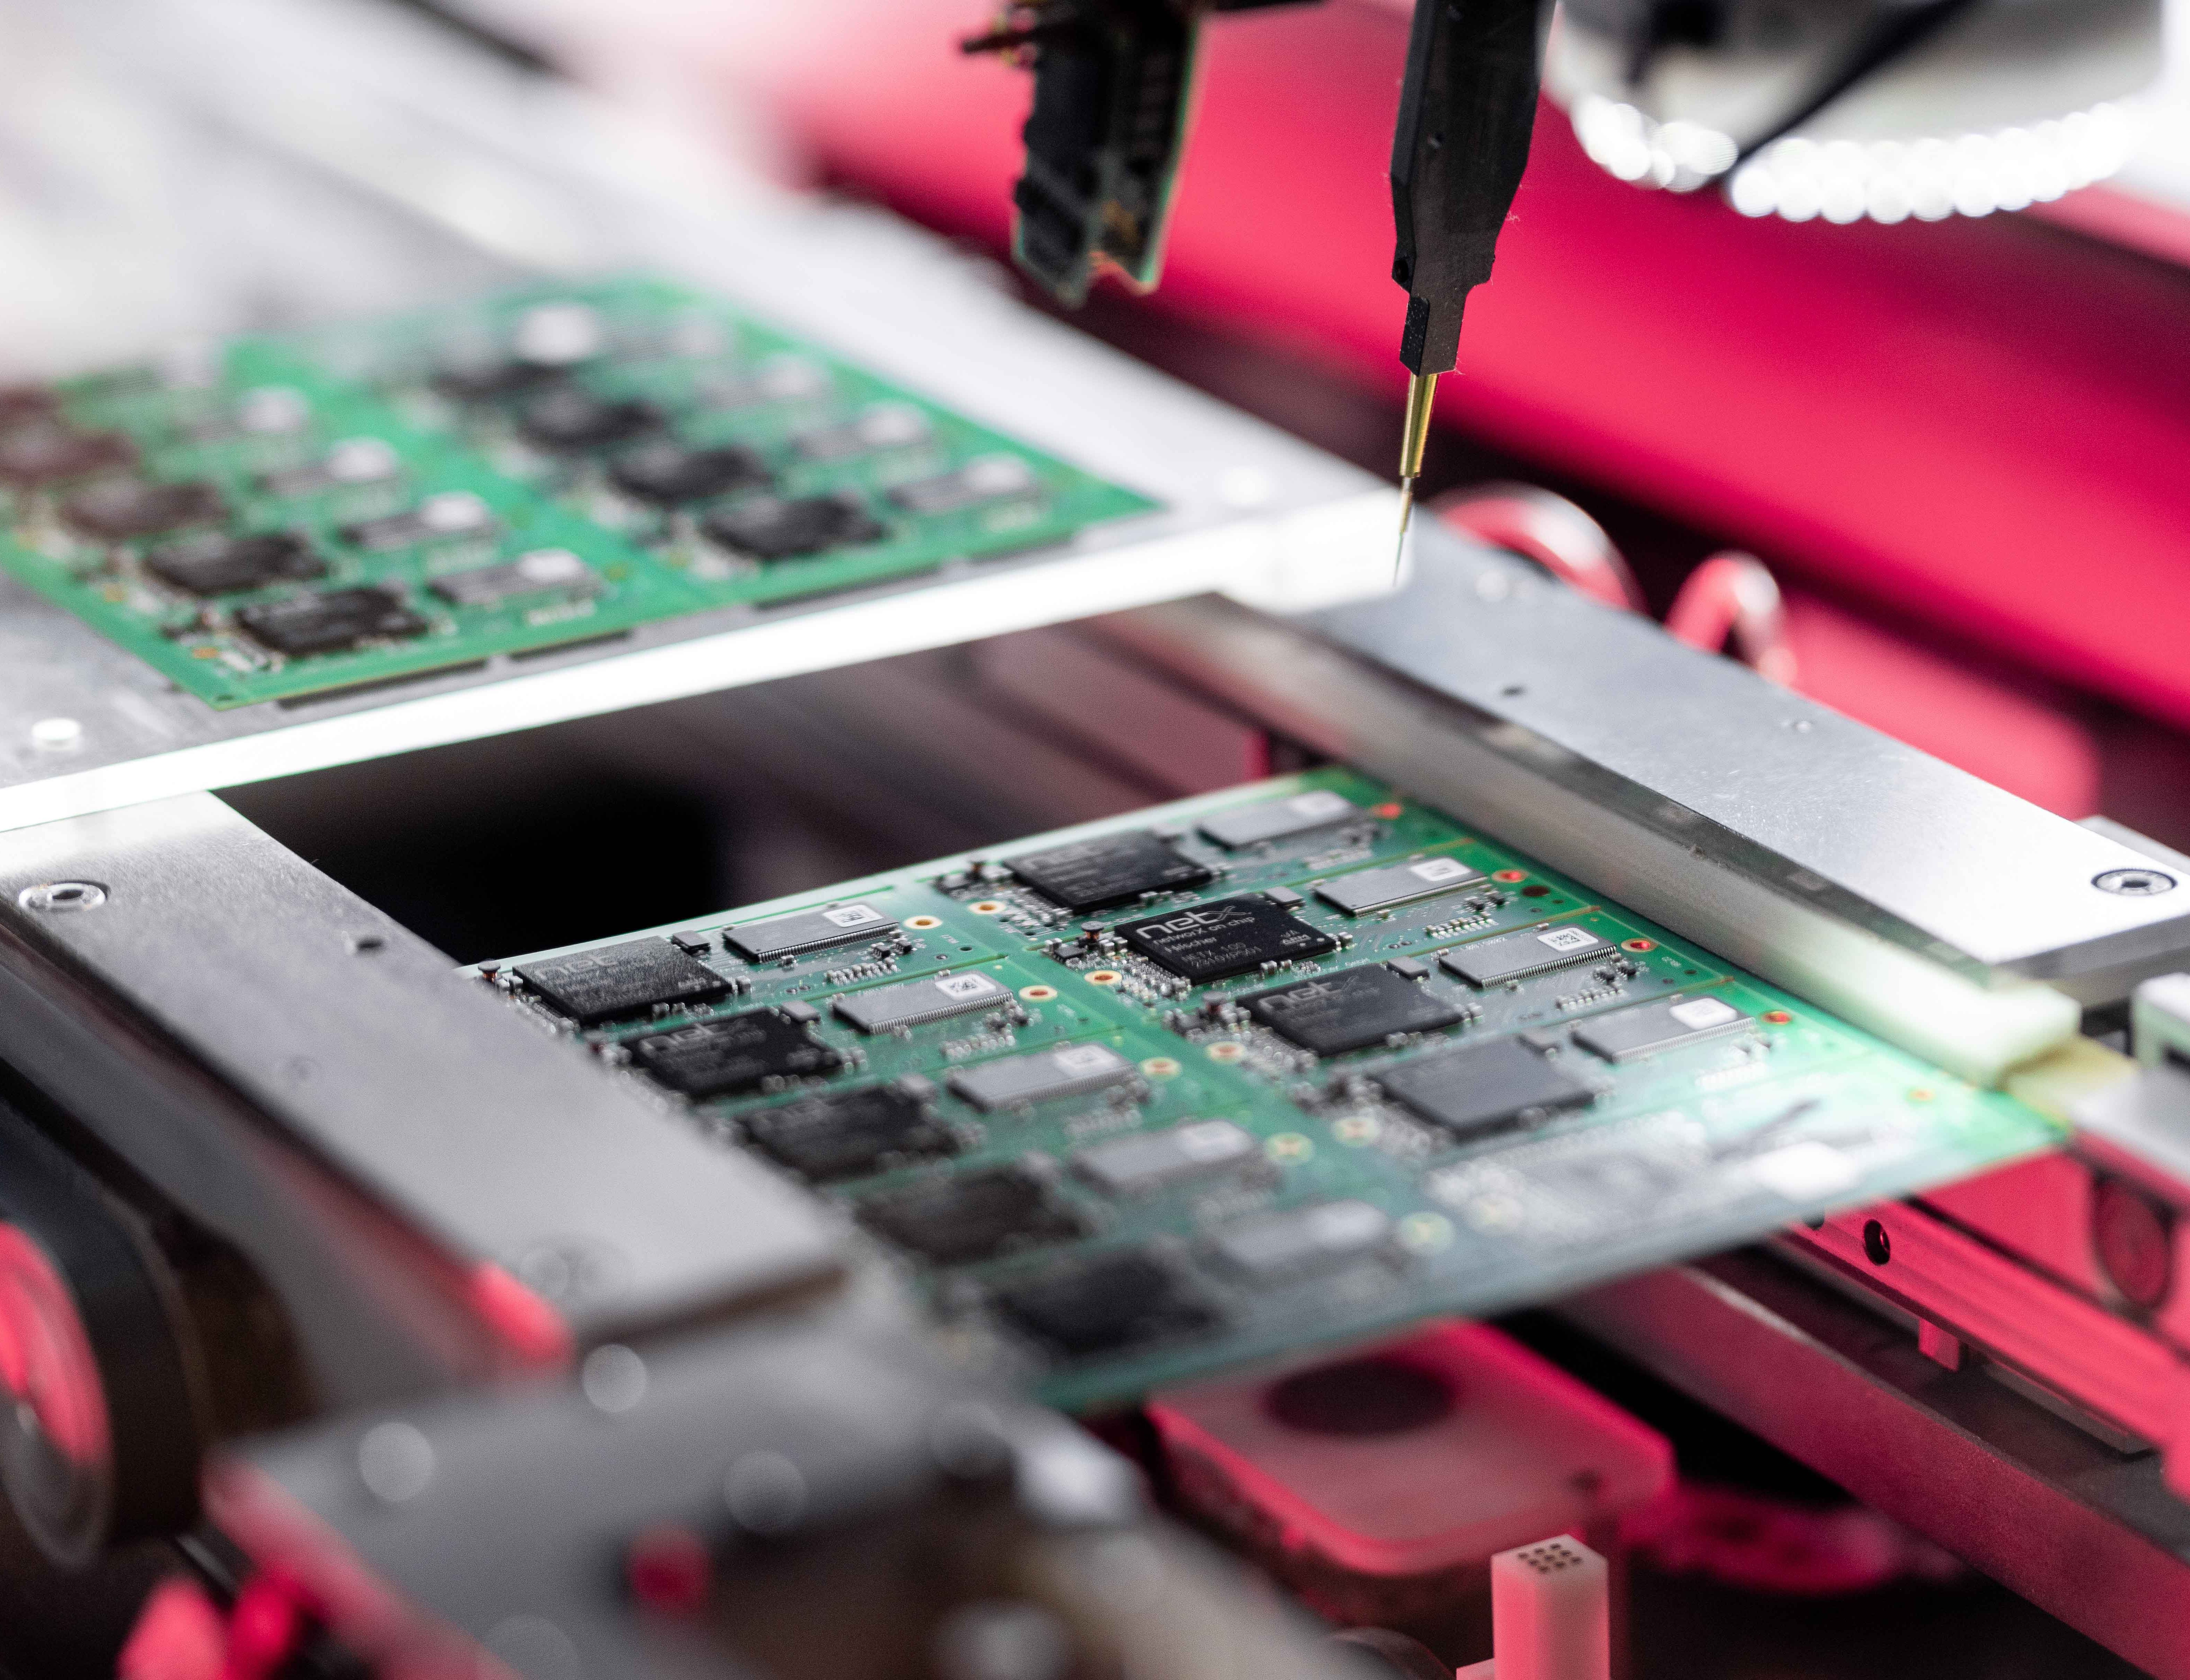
1252,1120
1229,936
1094,875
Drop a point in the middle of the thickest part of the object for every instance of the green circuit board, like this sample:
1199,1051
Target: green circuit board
1233,1078
284,517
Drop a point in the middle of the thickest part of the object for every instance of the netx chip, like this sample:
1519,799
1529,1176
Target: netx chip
1532,951
1279,818
1116,1301
1232,935
806,930
849,1134
332,621
884,1009
592,987
1068,1069
733,1053
1332,1014
1093,875
971,1217
1368,890
1482,1088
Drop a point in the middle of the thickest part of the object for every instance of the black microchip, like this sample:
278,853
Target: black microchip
329,622
568,418
771,528
44,451
219,565
849,1135
1234,935
1097,1306
733,1053
117,509
669,473
591,987
491,382
1091,874
1351,1009
971,1217
1483,1087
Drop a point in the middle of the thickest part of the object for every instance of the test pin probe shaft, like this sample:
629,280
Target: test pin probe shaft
1421,388
1466,111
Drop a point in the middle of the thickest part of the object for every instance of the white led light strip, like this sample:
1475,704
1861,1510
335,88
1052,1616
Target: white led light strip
1846,181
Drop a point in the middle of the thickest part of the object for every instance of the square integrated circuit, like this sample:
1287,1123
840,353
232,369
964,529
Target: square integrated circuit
849,1134
971,1217
1094,875
734,1053
1350,1009
615,981
1481,1088
1232,935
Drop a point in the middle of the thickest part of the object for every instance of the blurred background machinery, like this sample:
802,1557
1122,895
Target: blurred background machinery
1823,405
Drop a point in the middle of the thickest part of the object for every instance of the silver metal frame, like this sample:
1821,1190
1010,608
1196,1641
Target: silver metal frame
370,1101
1915,899
2089,1534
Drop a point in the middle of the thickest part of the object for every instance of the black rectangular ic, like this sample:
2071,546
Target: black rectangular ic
222,565
849,1134
332,621
1093,875
733,1053
1350,1009
1232,935
970,1217
1099,1305
776,527
117,509
592,987
1532,951
1480,1088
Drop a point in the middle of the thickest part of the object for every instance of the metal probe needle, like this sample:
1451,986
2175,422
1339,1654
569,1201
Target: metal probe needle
1420,387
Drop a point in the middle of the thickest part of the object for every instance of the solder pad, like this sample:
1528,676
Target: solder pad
1485,1146
667,453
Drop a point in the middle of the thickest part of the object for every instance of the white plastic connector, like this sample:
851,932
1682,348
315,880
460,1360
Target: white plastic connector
1550,1614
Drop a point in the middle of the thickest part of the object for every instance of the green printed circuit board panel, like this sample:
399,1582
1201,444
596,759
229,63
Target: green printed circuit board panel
1232,1078
286,516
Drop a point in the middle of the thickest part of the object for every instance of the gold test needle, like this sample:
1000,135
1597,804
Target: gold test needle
1420,387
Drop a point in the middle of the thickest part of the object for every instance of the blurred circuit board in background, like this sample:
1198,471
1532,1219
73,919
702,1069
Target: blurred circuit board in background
279,518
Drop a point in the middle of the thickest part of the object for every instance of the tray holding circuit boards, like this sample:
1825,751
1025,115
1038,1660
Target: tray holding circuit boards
284,517
1231,1079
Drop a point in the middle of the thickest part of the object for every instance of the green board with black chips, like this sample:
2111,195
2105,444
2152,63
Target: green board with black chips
294,516
1230,1119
